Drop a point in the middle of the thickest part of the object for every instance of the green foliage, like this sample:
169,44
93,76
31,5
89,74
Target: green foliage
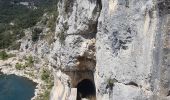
30,60
45,75
35,34
6,39
3,55
29,63
14,18
15,46
20,66
19,32
44,96
110,83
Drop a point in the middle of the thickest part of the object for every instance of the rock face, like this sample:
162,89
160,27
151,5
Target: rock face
122,47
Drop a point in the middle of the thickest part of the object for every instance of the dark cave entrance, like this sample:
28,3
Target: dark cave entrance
86,89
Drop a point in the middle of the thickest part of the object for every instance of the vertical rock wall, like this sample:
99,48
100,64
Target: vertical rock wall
124,43
74,54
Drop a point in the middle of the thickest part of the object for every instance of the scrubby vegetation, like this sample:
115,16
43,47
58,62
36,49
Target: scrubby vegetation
44,96
28,63
15,17
35,34
47,77
20,66
4,55
110,83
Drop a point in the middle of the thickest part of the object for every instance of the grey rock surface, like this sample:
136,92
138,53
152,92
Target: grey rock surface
124,43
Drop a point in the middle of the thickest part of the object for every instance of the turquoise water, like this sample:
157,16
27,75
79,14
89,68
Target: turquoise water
13,87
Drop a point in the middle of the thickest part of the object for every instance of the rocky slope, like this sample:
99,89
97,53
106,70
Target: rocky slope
120,47
101,50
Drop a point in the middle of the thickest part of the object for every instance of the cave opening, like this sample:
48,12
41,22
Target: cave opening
86,89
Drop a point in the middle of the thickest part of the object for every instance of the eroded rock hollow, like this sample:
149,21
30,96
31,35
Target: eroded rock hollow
86,89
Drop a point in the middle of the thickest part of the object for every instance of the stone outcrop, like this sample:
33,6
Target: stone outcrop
121,46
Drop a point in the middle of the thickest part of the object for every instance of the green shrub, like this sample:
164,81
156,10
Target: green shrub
19,33
45,76
3,55
6,39
19,66
15,46
29,61
44,96
35,34
110,83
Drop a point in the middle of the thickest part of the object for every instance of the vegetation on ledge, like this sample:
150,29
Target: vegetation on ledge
47,77
4,55
28,63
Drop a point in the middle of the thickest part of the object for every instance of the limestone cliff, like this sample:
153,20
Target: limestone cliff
112,50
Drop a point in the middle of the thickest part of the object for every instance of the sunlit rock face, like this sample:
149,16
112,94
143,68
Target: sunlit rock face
73,54
75,34
123,44
130,47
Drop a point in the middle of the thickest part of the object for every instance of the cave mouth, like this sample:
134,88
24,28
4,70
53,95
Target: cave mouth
86,89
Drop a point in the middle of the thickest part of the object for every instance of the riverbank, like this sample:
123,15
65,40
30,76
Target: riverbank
8,67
